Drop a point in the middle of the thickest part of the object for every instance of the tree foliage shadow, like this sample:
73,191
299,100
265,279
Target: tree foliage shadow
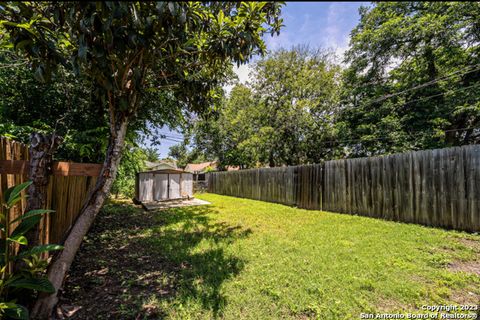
177,255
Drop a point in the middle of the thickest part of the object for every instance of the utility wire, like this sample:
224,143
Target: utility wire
416,133
442,93
171,135
385,79
423,85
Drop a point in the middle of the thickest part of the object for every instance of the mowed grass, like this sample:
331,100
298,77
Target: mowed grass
246,259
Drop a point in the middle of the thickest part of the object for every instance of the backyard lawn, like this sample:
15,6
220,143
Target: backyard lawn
245,259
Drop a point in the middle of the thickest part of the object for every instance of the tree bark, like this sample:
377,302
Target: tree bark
62,262
41,152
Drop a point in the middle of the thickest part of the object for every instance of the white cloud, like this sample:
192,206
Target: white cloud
334,37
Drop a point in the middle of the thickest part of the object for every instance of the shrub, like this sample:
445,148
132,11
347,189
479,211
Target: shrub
28,276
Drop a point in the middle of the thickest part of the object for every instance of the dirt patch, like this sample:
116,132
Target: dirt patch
466,266
473,244
465,297
472,266
113,274
390,305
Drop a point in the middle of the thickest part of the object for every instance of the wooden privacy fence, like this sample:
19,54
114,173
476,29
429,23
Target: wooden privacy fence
67,189
438,188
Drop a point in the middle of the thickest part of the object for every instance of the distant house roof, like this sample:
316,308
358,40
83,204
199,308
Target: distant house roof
159,165
232,168
200,167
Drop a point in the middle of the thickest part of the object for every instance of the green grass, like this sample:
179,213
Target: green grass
245,259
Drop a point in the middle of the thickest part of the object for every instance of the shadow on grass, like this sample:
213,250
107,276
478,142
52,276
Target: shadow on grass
133,262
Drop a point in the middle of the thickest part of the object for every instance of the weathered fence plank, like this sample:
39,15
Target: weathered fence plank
438,188
60,168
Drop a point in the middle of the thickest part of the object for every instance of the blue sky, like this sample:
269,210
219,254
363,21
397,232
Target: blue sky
318,24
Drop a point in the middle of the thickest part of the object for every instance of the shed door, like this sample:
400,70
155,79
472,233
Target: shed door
146,186
160,187
174,186
187,184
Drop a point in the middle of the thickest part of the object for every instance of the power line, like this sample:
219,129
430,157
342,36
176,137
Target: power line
417,133
169,140
171,135
423,85
385,79
441,94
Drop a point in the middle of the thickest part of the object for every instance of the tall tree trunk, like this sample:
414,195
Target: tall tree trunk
41,152
61,263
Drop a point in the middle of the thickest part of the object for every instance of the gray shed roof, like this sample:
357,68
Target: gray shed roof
166,171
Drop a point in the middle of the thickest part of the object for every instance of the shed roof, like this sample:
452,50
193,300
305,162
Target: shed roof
178,171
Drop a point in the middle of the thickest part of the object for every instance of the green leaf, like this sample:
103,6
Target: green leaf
14,201
38,284
13,192
32,213
26,225
16,311
39,249
220,17
18,239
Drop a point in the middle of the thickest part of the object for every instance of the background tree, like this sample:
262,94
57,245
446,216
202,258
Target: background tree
281,117
152,155
183,156
412,81
128,49
133,161
65,104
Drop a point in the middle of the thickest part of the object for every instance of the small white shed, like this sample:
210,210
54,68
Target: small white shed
161,185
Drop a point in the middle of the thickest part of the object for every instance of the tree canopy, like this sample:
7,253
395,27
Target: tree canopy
412,80
279,116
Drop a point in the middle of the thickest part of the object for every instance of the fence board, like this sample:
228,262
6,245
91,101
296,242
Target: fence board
67,189
438,188
21,167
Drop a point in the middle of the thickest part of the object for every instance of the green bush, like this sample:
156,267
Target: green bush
30,275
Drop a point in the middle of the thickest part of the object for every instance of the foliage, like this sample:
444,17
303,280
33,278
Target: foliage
281,116
208,262
118,45
17,283
184,156
143,62
413,76
152,155
411,83
65,104
133,161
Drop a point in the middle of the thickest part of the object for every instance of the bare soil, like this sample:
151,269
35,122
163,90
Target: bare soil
113,273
